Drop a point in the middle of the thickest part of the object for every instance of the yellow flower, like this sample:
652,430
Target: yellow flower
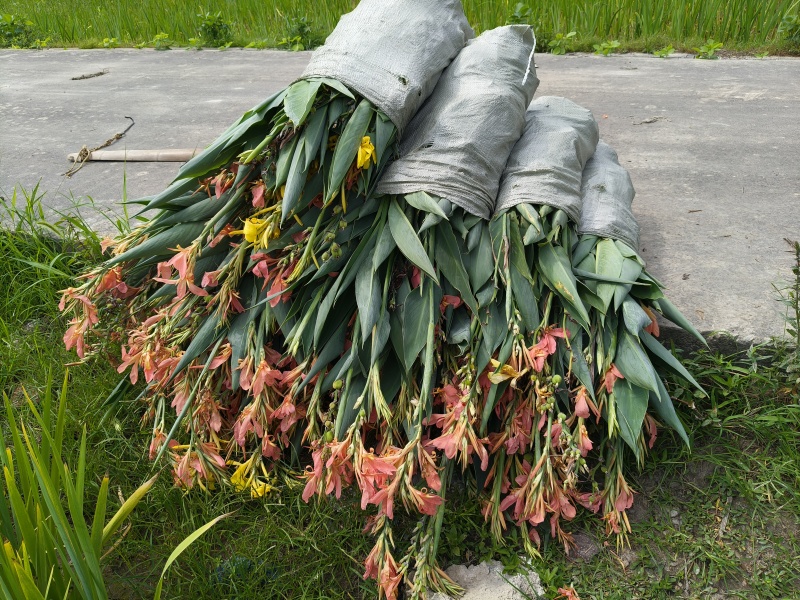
253,228
366,152
238,479
505,372
259,489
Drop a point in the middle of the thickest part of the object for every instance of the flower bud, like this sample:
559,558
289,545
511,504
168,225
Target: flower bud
337,385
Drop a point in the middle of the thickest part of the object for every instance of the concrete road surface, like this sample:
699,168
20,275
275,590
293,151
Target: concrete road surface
712,147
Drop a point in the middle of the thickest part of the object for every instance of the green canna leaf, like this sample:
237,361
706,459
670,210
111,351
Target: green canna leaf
668,309
299,99
449,261
630,403
160,244
424,202
633,362
608,263
655,348
407,241
347,146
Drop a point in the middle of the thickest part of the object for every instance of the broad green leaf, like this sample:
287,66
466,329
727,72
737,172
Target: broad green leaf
379,338
346,415
653,345
315,135
225,146
295,181
331,350
347,146
633,362
665,409
449,260
626,250
481,263
583,249
631,405
529,213
554,265
494,327
99,517
286,157
200,210
383,247
416,317
161,243
384,134
368,297
673,314
299,99
407,240
459,328
334,85
630,271
634,316
424,202
608,264
592,280
532,235
202,340
525,299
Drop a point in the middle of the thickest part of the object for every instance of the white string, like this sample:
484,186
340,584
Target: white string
530,58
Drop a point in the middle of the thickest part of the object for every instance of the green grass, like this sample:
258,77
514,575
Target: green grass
742,471
742,25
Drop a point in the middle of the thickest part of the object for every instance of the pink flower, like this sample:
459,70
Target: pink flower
258,194
652,329
453,301
264,376
584,443
611,377
425,502
581,406
210,278
416,278
652,429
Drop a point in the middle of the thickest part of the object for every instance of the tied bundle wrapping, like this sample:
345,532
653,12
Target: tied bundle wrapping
393,51
608,194
546,165
457,145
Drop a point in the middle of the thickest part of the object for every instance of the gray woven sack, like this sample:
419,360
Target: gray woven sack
607,198
392,52
458,143
546,165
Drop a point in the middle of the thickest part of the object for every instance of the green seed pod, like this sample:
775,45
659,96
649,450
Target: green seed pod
337,385
556,380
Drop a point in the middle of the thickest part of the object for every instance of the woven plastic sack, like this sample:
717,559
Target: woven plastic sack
458,143
608,194
546,165
392,52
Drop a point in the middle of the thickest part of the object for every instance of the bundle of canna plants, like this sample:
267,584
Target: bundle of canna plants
212,298
419,274
576,376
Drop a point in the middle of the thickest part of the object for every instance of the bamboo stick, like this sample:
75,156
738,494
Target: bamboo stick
165,155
